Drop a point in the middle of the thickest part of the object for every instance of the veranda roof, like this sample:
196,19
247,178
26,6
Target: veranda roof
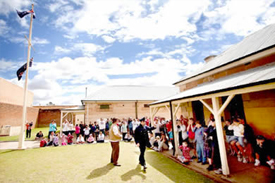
259,75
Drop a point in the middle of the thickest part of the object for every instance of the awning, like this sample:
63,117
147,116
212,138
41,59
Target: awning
260,75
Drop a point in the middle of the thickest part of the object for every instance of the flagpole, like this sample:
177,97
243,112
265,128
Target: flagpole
22,134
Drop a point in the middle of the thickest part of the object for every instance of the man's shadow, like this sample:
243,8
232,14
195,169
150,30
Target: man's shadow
100,171
137,171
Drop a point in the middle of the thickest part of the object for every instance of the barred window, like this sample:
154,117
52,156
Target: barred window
105,106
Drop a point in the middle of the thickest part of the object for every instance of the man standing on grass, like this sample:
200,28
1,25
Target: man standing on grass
115,137
142,140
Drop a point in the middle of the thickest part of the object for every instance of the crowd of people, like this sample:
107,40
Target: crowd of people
196,139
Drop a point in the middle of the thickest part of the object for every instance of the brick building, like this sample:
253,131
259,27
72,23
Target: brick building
125,101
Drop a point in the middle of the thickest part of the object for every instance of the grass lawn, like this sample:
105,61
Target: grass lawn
45,131
90,163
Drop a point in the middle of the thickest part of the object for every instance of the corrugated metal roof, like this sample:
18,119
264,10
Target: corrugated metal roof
120,93
253,43
238,80
81,107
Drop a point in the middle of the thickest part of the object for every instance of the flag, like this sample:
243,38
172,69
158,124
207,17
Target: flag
21,14
22,69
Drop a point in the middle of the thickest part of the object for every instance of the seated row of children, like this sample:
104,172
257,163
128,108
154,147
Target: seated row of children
159,143
242,143
68,139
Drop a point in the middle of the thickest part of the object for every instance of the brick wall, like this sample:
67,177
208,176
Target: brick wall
12,114
46,115
121,109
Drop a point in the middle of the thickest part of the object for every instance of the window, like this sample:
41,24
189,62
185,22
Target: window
105,106
146,105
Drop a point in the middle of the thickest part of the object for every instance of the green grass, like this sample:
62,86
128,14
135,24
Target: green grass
90,163
45,131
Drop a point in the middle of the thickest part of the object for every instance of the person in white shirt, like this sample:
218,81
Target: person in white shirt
237,142
80,140
65,129
115,137
86,132
135,124
128,137
102,125
100,138
157,130
71,127
123,129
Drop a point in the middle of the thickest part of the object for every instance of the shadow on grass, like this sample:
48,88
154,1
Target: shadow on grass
100,171
6,151
137,171
171,169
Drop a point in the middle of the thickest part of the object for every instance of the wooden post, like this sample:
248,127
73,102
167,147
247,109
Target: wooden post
219,131
61,122
22,134
175,133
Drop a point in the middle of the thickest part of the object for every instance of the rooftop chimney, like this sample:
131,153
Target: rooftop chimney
209,58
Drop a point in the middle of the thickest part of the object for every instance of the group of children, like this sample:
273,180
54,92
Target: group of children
206,148
241,141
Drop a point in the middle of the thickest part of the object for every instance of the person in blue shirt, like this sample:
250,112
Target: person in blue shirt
199,132
53,128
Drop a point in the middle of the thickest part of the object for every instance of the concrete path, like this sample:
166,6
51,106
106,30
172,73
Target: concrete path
14,145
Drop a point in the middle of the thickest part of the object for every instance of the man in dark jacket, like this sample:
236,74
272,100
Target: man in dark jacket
142,140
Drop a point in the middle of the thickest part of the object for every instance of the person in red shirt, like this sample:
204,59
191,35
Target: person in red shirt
185,158
28,130
43,142
70,139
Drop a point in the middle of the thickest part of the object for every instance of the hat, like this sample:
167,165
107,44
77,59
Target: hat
142,119
260,137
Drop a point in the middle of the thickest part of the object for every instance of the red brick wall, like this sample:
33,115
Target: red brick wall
46,115
12,114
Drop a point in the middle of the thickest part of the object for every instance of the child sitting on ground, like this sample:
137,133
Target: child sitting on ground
185,158
128,137
43,142
90,140
56,140
70,139
80,139
63,143
100,138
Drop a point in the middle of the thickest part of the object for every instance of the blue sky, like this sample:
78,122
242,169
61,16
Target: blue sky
93,43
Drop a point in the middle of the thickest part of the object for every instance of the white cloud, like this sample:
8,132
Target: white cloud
3,28
60,50
53,7
63,81
108,39
241,17
41,41
35,40
88,49
128,20
7,65
8,6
